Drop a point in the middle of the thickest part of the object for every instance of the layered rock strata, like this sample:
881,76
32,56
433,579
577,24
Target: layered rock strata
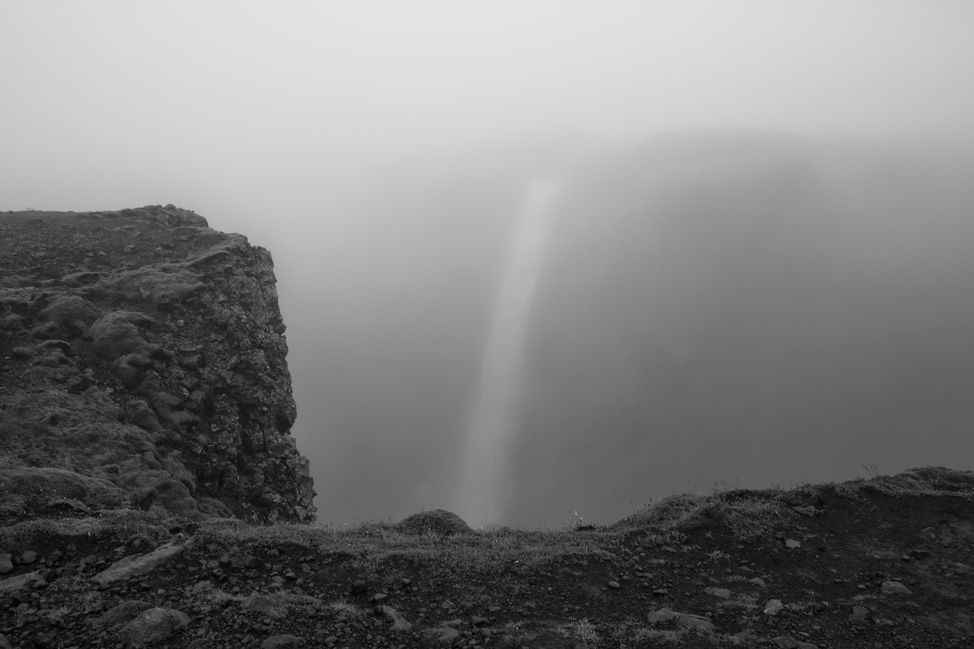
143,364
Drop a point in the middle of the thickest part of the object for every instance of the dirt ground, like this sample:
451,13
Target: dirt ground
885,562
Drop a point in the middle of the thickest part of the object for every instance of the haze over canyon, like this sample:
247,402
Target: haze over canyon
738,308
553,259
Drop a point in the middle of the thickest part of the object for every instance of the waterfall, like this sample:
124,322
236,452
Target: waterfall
486,491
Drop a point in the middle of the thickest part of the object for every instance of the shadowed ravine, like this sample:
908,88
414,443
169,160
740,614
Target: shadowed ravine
483,499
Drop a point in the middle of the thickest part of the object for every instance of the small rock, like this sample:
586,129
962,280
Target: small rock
358,587
757,581
722,593
20,597
6,565
281,641
773,606
806,511
478,621
399,623
153,626
379,597
252,563
683,620
263,604
614,585
792,544
446,635
133,566
28,557
895,588
18,353
858,615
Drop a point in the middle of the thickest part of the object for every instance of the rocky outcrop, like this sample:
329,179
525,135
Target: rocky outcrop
143,363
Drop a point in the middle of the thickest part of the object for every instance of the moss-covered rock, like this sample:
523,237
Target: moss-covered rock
143,350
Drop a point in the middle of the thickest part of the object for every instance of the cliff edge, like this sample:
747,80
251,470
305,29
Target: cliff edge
143,365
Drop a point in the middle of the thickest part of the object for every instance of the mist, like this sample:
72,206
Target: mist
756,269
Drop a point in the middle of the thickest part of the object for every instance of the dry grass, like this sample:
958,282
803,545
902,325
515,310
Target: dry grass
159,285
750,518
918,481
122,613
345,610
80,433
379,548
746,514
119,525
583,632
927,481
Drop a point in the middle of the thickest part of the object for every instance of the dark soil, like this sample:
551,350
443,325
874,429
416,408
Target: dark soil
887,562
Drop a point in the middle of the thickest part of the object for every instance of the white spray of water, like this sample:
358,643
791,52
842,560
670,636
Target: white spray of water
486,492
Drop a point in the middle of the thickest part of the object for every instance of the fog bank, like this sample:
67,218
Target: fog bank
380,152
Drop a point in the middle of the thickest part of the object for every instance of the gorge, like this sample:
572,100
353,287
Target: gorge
736,308
707,310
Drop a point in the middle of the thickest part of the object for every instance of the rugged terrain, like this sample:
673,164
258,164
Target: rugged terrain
885,562
151,495
143,363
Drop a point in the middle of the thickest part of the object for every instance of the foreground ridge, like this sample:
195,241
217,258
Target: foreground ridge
884,562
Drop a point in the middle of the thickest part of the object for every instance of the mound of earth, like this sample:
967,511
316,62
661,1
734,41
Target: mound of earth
438,521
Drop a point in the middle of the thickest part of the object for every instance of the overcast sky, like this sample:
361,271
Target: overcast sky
269,118
208,104
250,112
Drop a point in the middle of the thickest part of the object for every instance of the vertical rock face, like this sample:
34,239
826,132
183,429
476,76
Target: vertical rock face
144,351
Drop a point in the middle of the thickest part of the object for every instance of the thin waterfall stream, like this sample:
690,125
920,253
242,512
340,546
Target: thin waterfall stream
486,489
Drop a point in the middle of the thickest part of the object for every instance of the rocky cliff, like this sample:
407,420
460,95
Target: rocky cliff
143,364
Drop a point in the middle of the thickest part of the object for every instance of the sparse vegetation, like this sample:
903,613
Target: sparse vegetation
705,566
584,632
